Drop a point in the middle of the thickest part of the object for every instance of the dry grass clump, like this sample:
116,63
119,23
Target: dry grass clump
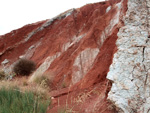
44,80
2,75
24,85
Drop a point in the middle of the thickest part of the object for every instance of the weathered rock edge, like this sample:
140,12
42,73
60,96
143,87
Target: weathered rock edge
130,70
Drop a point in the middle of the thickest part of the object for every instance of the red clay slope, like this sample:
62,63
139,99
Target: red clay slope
76,48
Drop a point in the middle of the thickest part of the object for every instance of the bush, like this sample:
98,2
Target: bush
2,75
14,101
24,67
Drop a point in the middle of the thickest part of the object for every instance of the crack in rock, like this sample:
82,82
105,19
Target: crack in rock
130,70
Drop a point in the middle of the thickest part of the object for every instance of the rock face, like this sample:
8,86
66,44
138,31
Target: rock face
96,53
130,70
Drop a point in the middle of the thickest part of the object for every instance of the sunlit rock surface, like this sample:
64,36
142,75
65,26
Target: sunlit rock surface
130,70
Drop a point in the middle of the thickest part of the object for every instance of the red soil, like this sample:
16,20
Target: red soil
89,95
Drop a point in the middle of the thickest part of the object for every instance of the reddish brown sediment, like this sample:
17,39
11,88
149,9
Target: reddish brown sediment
87,31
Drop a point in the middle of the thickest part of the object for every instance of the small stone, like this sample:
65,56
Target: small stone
52,98
20,57
31,47
107,10
5,61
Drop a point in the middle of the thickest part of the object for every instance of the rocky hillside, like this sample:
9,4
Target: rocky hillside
98,56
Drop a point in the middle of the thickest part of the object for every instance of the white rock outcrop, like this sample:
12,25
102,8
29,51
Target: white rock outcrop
130,70
83,62
44,66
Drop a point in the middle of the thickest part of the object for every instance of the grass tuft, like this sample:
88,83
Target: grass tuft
12,100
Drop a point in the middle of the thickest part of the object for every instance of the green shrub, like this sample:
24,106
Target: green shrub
14,101
24,67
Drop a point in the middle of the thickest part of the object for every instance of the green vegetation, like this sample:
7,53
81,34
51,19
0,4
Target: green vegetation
24,67
14,101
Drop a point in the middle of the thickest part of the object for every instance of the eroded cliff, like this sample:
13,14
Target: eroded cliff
98,56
